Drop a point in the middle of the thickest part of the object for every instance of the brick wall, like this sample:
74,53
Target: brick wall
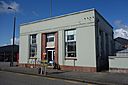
78,68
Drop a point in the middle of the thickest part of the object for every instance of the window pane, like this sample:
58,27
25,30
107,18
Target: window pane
50,37
34,36
33,41
70,43
70,37
33,46
33,50
71,46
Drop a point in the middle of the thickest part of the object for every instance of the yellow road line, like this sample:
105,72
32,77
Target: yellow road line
74,82
25,74
33,76
68,81
52,78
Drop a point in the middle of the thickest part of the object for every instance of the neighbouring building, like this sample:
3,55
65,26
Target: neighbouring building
6,53
80,41
119,62
120,44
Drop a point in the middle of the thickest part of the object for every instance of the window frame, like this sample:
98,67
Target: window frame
66,40
50,35
32,45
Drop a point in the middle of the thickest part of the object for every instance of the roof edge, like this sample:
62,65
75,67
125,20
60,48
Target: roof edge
103,18
50,18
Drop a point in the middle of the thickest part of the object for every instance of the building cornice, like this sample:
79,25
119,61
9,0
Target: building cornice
57,17
80,25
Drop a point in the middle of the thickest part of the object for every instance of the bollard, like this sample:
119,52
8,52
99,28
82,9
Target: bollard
45,71
44,64
39,70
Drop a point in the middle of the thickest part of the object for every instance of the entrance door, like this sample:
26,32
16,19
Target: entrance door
50,57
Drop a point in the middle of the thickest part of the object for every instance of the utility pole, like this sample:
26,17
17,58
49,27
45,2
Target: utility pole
14,25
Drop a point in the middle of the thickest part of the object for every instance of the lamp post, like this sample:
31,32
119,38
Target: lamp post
14,25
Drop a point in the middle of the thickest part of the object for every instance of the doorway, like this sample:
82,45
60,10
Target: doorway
50,57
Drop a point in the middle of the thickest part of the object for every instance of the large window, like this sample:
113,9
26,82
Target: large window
50,37
33,46
70,43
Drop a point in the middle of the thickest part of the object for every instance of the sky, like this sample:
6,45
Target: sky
114,11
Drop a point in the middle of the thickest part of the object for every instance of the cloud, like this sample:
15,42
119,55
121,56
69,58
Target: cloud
120,24
4,7
4,44
121,33
11,42
121,29
16,41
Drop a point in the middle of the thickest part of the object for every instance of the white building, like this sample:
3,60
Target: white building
119,63
79,41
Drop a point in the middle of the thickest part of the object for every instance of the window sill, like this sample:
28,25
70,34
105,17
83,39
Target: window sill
70,58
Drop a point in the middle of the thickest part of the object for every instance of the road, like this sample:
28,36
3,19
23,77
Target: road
9,78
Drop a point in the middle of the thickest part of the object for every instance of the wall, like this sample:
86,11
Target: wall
105,27
24,49
119,62
87,33
38,47
57,23
85,45
103,44
61,48
85,41
81,20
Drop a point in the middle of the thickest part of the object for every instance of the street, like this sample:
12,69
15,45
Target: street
9,78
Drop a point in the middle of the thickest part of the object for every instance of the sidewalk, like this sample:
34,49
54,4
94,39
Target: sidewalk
96,78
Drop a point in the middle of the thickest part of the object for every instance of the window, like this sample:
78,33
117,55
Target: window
70,43
70,37
33,46
33,39
50,37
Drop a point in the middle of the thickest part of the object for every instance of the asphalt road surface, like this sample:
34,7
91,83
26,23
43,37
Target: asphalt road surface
9,78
